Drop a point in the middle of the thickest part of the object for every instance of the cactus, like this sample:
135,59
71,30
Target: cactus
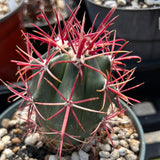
75,82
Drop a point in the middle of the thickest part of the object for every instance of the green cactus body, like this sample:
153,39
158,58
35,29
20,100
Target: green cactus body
86,88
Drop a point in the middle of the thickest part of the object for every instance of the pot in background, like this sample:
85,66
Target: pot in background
141,27
11,27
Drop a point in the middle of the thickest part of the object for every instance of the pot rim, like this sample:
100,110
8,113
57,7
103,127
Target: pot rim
10,13
126,9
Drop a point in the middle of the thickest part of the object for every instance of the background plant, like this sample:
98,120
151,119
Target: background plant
75,82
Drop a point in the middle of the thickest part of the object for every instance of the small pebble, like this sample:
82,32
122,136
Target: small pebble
129,132
83,155
31,139
39,144
110,3
124,143
16,140
51,157
115,142
113,136
74,156
131,157
6,140
122,151
121,158
97,1
121,2
15,149
134,5
13,122
8,153
113,123
2,157
134,144
3,131
125,120
1,146
149,2
134,136
105,147
116,129
144,6
5,123
17,131
115,154
46,157
121,135
104,154
23,147
127,150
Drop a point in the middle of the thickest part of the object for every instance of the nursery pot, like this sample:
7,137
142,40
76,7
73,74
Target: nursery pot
11,26
8,113
141,27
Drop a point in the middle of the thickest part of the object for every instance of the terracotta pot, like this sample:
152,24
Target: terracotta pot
11,26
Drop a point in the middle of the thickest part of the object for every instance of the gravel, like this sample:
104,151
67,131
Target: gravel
4,7
129,4
31,147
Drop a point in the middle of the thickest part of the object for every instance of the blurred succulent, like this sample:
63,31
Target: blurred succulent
33,7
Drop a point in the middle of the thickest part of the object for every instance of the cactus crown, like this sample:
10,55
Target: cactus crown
74,83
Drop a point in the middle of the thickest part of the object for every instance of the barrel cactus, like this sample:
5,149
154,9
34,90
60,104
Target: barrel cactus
73,84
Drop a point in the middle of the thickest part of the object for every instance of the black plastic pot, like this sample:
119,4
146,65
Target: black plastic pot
8,113
4,94
139,26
